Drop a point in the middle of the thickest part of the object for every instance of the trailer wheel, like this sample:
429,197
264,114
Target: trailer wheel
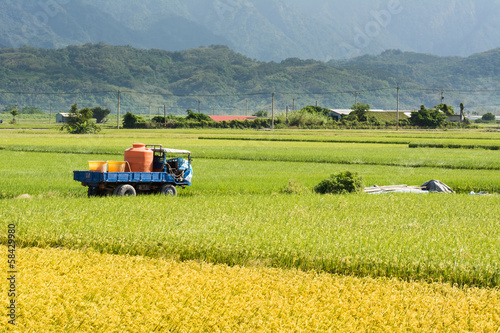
91,192
168,190
124,190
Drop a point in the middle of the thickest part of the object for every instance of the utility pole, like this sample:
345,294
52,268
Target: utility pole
50,114
164,116
397,110
118,118
199,106
287,114
356,98
442,96
272,111
293,105
246,113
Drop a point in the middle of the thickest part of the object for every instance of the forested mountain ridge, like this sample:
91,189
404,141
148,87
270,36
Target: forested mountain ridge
221,78
261,29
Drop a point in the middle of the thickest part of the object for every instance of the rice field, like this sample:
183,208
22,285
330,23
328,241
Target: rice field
84,291
397,262
426,238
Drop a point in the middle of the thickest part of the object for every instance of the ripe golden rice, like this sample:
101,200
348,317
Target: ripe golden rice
81,291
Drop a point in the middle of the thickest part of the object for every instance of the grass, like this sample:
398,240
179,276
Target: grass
423,237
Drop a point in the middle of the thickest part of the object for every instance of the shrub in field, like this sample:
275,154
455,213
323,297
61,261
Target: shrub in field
343,182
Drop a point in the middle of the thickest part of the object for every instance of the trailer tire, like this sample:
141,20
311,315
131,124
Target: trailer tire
124,190
91,192
168,190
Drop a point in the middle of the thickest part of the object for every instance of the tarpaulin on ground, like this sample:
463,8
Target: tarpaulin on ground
436,186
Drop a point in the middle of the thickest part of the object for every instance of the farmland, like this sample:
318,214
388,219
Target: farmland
87,291
237,220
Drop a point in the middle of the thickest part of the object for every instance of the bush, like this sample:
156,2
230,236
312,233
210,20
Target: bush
343,182
488,117
261,114
197,116
303,119
130,120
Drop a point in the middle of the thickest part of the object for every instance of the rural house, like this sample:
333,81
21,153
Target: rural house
62,117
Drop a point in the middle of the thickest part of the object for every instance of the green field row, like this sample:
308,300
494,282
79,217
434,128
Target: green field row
284,151
51,175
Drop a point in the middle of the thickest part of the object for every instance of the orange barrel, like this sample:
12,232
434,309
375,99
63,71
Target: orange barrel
139,158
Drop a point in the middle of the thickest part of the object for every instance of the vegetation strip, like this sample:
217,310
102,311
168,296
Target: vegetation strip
201,155
453,146
302,140
87,292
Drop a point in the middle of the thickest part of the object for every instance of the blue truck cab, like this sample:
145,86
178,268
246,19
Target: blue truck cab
168,174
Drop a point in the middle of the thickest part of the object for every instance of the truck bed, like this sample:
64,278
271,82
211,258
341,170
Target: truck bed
93,178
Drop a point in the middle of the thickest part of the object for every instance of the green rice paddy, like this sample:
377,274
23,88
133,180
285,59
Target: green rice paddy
238,213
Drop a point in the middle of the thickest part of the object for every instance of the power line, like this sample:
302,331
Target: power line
247,94
58,93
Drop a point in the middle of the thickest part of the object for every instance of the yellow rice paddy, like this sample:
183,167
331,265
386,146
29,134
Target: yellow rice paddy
76,291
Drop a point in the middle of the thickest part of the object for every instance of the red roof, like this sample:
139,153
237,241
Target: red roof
229,118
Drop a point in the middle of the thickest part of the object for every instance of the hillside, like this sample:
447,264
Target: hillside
261,29
223,81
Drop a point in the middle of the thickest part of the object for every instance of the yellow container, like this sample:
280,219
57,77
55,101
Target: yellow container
116,166
100,166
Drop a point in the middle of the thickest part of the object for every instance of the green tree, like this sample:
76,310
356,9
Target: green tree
9,108
488,117
448,110
430,118
359,112
79,121
261,114
197,116
130,120
316,110
100,114
14,114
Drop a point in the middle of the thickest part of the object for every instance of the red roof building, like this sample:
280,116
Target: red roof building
229,118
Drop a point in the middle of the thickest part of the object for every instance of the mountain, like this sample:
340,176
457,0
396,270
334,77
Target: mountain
260,29
217,79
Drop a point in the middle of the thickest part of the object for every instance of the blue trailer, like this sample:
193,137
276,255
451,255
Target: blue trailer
172,173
